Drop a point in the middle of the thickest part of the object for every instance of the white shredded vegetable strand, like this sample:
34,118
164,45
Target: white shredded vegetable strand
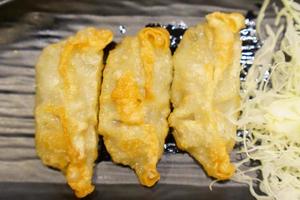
271,110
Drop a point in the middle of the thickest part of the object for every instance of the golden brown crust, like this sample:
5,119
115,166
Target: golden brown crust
151,39
68,85
134,102
205,91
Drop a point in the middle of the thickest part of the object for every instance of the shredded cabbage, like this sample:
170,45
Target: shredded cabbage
271,110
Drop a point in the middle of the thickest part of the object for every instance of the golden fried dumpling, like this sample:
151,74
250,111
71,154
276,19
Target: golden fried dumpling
68,79
134,102
205,92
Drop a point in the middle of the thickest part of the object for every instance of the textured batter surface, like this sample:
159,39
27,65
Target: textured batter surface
205,91
134,103
68,76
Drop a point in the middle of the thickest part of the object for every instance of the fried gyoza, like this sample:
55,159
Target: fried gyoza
68,76
205,92
134,102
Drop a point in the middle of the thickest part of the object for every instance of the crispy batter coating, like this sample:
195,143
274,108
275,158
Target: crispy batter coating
134,102
68,79
205,92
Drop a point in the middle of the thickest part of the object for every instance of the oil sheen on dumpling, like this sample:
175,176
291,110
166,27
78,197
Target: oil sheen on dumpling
205,92
134,102
68,78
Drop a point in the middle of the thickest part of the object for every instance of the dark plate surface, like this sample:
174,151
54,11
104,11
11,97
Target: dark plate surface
38,191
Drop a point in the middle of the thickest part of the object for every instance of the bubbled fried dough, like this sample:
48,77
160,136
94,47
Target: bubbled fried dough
134,102
205,92
68,79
